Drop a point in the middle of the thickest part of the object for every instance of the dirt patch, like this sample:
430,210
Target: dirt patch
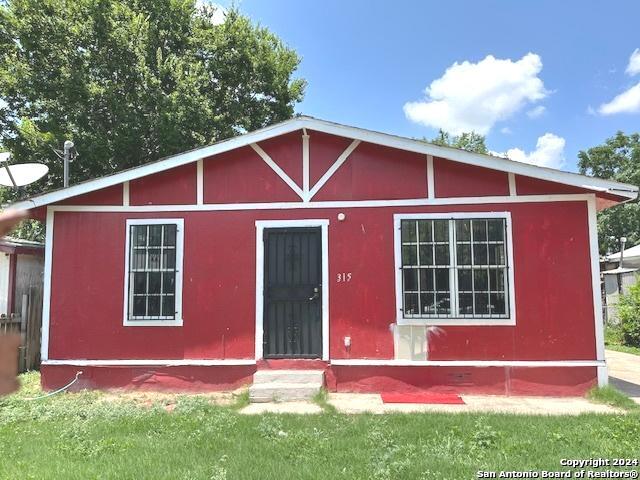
168,400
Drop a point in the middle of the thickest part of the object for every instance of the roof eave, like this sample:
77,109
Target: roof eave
625,191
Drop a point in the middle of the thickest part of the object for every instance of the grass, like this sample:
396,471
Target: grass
92,435
612,396
241,400
613,341
321,399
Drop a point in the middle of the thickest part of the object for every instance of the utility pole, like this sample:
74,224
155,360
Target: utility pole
68,147
623,242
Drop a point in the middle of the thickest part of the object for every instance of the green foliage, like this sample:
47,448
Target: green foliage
614,340
618,158
132,81
611,396
470,141
29,230
629,313
96,435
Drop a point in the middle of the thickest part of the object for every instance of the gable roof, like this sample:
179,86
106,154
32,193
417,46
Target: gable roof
627,192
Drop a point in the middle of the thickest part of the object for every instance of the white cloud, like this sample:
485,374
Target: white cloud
505,130
627,102
549,152
217,13
634,63
474,96
536,112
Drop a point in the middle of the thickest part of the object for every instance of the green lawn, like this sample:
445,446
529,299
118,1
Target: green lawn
84,436
613,341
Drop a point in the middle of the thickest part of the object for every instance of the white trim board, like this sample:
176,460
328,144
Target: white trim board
453,321
302,123
467,363
46,292
160,363
200,182
125,194
334,168
411,202
603,377
513,191
278,171
431,181
260,227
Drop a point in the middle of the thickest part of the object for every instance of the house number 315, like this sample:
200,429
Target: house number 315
344,277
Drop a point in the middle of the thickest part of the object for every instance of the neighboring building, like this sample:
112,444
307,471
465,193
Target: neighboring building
389,262
617,279
631,258
616,282
21,270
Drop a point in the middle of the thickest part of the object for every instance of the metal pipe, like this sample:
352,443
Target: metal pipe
68,145
6,166
623,241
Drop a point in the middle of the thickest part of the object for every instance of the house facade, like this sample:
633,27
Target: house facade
390,263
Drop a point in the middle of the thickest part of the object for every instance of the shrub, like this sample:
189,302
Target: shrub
629,313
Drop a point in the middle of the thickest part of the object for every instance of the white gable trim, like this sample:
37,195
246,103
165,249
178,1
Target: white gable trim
276,168
299,123
334,168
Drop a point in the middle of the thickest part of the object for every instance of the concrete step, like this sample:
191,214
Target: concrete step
282,392
288,376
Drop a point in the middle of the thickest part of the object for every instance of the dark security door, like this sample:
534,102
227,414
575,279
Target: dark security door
292,293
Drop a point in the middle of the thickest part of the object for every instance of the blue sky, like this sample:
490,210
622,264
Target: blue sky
366,60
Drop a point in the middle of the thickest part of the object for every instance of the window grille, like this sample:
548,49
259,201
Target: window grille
454,268
152,271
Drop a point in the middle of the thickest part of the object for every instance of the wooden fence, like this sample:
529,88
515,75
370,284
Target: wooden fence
28,324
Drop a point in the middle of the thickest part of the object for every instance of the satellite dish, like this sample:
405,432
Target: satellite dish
20,174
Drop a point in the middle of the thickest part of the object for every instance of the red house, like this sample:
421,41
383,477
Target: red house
387,262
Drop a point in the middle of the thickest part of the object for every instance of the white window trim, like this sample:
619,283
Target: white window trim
177,322
453,321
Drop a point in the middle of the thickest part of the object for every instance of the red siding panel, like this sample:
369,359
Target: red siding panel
177,378
530,381
374,172
105,196
324,150
286,151
535,186
554,303
241,176
176,186
455,179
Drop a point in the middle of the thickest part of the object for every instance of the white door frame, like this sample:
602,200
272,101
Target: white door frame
260,226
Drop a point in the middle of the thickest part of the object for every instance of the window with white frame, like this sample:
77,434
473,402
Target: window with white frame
455,268
154,272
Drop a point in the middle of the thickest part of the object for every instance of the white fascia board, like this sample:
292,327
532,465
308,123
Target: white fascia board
621,189
162,165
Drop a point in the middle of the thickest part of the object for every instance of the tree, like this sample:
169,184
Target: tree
618,158
470,141
132,81
629,313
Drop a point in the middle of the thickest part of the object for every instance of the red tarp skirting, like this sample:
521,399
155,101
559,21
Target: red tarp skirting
444,398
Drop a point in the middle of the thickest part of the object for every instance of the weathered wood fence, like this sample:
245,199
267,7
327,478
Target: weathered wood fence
28,324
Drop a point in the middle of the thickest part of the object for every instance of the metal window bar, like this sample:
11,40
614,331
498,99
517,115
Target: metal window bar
426,299
161,269
454,267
